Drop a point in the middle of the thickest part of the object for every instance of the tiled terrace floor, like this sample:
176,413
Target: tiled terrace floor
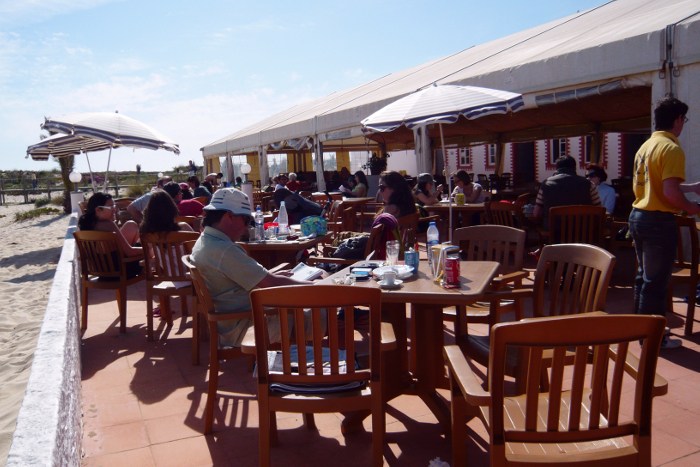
143,405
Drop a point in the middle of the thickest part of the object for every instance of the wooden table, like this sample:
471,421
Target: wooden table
461,215
427,299
271,253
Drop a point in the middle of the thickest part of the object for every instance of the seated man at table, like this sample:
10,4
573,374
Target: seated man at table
564,188
229,273
137,206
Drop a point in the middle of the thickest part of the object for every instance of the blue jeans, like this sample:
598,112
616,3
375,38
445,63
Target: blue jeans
655,238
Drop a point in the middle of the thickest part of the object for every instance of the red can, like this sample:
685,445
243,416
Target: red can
452,270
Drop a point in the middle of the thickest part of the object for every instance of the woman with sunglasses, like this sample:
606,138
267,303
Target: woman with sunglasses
396,194
100,214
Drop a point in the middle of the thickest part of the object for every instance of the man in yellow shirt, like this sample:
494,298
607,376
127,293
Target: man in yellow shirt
659,190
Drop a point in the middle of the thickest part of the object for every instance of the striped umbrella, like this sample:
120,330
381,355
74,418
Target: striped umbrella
59,145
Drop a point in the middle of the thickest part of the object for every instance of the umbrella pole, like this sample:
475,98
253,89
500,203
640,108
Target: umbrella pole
109,158
92,178
449,181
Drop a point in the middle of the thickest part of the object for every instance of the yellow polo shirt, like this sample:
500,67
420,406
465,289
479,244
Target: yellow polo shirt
659,158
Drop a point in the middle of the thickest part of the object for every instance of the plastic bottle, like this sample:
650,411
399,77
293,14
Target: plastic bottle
259,224
283,221
433,239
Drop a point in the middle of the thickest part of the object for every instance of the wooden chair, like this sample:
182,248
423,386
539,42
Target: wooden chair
322,377
104,266
193,221
202,199
685,268
375,236
576,224
580,419
499,213
505,245
166,275
216,353
569,279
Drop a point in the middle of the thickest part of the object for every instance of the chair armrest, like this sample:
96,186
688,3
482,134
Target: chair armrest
388,337
462,374
632,368
313,260
501,281
279,267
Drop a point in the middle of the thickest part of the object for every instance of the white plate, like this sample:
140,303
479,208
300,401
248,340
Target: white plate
397,283
402,271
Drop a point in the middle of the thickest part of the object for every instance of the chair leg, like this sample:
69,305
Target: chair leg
195,336
165,309
690,315
149,314
459,425
84,306
378,425
213,383
309,421
183,306
264,434
121,301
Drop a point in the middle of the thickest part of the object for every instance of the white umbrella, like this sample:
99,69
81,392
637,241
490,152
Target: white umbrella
442,104
111,128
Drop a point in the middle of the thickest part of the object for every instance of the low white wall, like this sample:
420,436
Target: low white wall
49,422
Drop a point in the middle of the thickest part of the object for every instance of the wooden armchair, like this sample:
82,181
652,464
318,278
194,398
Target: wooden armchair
193,221
499,213
576,224
580,418
216,353
312,369
569,279
166,275
104,266
685,268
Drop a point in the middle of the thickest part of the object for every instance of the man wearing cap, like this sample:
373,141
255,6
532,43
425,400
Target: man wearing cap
564,188
659,192
596,174
229,273
136,207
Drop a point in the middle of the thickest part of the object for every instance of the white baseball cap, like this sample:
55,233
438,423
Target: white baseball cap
230,199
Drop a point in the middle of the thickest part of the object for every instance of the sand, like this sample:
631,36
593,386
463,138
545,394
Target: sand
29,252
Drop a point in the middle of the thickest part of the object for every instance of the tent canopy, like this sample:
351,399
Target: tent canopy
591,70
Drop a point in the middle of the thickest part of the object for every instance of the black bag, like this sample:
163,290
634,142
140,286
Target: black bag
352,248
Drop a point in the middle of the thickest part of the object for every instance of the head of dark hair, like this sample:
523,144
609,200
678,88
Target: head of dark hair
566,162
361,177
401,195
211,218
462,176
193,180
595,170
208,186
666,112
160,213
172,188
88,220
187,194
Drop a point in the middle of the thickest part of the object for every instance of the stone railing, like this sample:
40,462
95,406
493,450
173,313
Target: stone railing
48,428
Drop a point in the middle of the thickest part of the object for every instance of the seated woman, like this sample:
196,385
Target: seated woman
160,214
473,192
396,194
360,188
426,192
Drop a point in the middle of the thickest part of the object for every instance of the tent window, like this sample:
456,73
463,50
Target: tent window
490,155
329,161
586,148
277,163
465,157
558,149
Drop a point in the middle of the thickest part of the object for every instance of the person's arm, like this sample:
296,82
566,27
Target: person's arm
674,195
538,212
274,280
135,214
693,187
124,245
474,195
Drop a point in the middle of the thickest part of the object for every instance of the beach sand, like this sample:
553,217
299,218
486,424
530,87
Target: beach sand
29,252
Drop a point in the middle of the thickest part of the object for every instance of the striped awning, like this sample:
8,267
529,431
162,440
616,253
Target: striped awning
65,145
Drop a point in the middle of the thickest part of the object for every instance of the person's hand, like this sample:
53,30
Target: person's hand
285,273
440,189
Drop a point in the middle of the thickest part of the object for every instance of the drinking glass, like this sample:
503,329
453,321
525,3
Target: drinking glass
392,252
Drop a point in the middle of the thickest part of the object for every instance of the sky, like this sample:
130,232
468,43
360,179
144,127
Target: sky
200,70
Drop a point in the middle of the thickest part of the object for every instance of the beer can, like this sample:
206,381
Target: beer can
410,258
452,271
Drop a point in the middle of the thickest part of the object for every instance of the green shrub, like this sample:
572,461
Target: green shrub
135,191
26,215
57,200
41,202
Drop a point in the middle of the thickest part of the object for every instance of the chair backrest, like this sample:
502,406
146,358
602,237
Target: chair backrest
314,350
688,248
374,241
505,245
408,227
576,224
99,254
164,251
583,402
500,213
204,300
202,199
571,278
193,221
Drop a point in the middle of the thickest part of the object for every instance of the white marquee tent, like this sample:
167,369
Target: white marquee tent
598,70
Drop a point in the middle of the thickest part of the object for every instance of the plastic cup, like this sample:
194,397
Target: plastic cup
392,252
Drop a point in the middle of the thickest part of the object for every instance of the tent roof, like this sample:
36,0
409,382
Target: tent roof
620,42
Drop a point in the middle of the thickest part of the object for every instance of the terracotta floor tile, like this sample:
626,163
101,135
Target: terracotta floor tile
185,452
116,438
137,457
171,428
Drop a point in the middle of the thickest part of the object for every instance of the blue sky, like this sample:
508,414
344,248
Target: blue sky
197,71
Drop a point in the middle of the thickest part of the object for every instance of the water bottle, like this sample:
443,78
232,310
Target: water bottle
283,221
433,239
259,224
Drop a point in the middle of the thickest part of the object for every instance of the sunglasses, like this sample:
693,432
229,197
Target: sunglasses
105,207
382,188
